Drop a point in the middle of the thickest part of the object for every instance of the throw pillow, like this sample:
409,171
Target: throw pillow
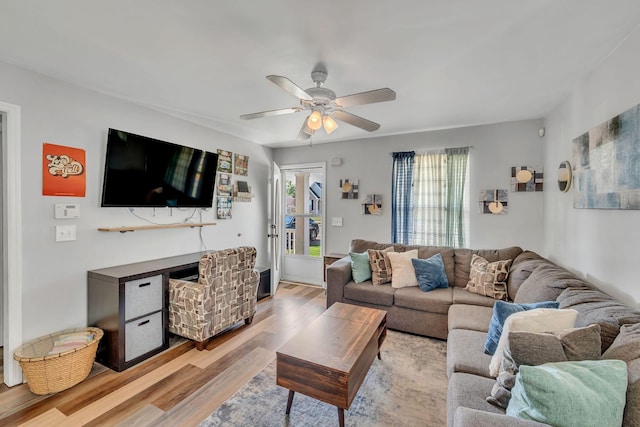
430,273
360,269
537,348
536,320
501,391
502,310
403,274
489,278
568,394
380,265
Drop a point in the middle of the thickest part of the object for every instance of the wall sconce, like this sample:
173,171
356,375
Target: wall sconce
564,176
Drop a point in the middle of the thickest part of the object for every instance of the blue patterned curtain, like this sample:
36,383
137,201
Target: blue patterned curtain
401,197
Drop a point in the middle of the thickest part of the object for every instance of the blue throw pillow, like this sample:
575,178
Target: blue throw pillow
502,310
360,269
430,273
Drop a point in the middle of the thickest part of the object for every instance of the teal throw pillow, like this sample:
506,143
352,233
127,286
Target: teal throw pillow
502,310
571,394
430,273
360,269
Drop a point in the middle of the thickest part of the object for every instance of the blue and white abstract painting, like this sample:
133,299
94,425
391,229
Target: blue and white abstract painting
606,164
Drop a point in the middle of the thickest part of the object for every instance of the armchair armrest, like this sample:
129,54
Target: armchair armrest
338,275
467,417
189,309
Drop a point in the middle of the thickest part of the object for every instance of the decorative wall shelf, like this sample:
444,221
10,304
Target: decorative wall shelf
124,229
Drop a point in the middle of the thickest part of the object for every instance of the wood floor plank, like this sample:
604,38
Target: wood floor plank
201,404
144,417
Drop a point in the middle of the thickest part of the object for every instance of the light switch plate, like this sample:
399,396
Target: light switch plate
65,233
336,221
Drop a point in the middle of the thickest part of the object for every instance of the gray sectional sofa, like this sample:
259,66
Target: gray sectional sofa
462,318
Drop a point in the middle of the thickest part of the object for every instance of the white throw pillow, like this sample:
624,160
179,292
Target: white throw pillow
536,320
402,272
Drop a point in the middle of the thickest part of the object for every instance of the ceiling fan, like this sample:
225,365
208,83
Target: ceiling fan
325,108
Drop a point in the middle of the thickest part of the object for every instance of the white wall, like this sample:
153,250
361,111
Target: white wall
495,149
598,244
55,274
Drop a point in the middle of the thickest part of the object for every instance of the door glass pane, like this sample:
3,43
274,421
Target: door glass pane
303,213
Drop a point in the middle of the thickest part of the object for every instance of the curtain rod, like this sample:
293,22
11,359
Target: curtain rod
433,150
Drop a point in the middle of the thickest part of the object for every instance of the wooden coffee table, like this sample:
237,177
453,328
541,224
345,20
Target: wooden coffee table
329,358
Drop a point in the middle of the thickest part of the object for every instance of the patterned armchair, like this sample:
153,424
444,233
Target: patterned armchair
225,294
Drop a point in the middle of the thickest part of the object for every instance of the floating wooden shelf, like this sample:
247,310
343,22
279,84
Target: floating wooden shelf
124,229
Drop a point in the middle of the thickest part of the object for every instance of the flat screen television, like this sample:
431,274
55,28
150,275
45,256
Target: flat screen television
146,172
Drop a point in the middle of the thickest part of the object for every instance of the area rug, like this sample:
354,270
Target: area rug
408,387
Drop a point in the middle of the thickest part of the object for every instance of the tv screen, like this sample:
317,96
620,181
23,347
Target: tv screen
146,172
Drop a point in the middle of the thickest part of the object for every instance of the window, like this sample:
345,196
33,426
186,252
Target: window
429,201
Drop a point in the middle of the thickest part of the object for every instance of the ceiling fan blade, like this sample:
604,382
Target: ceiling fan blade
378,95
305,131
271,113
290,87
356,121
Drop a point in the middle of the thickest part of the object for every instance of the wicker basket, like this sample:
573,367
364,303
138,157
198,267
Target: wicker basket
50,373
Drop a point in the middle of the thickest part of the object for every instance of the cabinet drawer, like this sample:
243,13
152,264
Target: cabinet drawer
142,335
142,296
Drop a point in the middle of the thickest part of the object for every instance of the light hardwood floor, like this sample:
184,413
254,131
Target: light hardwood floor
179,387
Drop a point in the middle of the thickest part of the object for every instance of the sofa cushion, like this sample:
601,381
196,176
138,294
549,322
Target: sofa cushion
360,268
594,306
471,317
585,393
537,348
436,301
464,353
380,265
430,273
546,283
536,320
626,347
462,296
402,272
501,311
489,278
469,391
521,268
462,258
425,252
364,292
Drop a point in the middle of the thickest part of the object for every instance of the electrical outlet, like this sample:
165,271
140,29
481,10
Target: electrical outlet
65,233
336,221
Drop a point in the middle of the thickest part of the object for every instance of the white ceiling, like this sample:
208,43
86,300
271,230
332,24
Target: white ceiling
451,62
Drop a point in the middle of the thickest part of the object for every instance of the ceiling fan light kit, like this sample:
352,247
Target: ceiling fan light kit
315,120
325,107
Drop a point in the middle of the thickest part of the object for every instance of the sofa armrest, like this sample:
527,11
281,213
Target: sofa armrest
467,417
338,275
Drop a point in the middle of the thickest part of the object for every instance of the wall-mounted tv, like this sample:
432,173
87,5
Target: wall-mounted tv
146,172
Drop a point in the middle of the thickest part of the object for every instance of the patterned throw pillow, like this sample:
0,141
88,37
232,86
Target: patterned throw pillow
380,265
489,278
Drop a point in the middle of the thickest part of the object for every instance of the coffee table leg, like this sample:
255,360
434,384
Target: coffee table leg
341,417
289,401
